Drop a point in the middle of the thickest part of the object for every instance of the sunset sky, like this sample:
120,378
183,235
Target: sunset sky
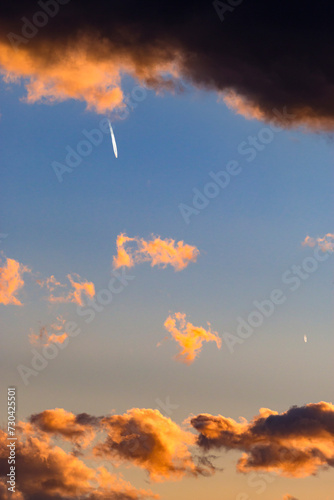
184,289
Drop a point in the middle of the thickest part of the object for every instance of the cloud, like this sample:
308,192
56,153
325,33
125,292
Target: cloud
145,438
11,281
131,251
80,289
141,437
81,54
50,283
296,443
79,429
189,337
77,75
326,244
5,494
46,472
47,335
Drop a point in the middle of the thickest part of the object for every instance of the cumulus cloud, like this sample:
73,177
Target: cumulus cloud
45,471
79,429
140,437
326,244
296,443
189,337
145,438
83,55
80,289
8,495
47,335
158,252
11,281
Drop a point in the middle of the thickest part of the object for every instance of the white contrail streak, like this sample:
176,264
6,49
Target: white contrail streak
114,145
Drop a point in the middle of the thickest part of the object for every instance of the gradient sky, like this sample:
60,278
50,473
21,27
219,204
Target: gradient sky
247,236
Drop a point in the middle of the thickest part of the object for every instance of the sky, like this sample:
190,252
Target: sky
166,313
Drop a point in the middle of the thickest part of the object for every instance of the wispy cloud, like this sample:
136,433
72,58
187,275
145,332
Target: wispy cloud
11,282
189,337
326,243
158,252
80,289
47,334
50,283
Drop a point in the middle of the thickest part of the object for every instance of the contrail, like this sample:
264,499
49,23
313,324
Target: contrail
114,145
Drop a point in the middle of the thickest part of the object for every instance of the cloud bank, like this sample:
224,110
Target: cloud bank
296,443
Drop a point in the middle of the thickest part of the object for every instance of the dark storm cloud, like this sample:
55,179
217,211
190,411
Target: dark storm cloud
263,55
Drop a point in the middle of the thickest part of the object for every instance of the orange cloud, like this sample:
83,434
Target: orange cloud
326,244
65,73
86,288
250,109
81,288
145,438
5,494
140,437
11,281
242,106
51,283
295,443
79,429
189,337
46,471
82,70
46,335
131,251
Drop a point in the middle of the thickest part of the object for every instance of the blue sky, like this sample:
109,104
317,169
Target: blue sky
248,236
